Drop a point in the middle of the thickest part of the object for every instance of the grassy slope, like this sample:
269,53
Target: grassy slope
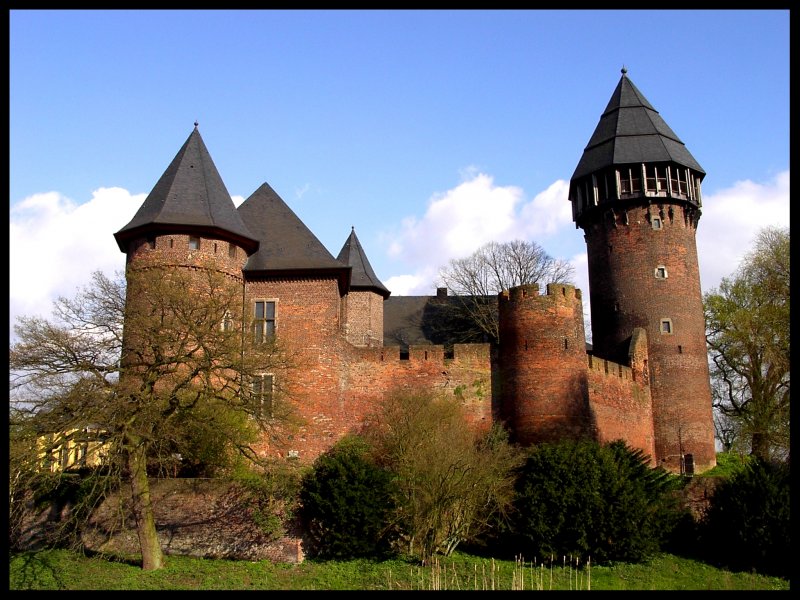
63,570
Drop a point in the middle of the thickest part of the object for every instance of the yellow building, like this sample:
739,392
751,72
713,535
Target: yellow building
73,449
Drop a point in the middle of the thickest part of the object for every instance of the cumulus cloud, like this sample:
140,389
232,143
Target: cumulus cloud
459,221
731,220
55,244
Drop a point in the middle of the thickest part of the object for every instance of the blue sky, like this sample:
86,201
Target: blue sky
430,132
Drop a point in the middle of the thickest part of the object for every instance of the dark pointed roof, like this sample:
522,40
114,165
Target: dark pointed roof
286,245
631,131
363,276
190,196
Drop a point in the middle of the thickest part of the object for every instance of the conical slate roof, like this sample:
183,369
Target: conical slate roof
631,131
286,245
190,196
363,276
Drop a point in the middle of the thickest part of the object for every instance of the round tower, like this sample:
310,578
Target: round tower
544,396
188,221
636,195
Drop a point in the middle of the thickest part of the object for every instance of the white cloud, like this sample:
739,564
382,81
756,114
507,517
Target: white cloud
731,220
56,244
476,211
456,223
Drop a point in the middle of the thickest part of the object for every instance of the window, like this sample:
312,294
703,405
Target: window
231,250
630,180
264,324
661,272
151,241
194,242
262,396
666,326
227,321
656,222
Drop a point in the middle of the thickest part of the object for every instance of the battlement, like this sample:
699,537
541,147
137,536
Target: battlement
433,353
554,292
601,365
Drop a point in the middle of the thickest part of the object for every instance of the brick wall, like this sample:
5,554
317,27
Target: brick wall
624,251
364,318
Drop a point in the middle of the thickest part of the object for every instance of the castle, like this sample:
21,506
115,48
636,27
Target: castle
635,193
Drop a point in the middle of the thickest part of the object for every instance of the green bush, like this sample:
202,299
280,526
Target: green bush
583,499
346,503
747,524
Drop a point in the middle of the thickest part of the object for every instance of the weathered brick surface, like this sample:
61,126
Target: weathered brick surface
364,318
624,252
541,383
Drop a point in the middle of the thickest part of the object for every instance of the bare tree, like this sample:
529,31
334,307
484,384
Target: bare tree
179,365
477,279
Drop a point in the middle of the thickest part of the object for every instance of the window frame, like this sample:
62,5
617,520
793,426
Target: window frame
262,331
263,398
666,327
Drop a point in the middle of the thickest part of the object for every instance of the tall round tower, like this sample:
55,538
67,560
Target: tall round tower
188,221
636,195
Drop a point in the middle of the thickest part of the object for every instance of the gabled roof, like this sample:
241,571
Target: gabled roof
189,196
631,131
363,277
286,245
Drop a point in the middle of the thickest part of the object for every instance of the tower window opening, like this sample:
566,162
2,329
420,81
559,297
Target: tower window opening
194,242
666,326
661,272
171,242
151,241
656,222
215,247
630,181
231,250
566,343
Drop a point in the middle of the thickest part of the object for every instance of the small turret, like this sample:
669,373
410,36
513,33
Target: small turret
363,304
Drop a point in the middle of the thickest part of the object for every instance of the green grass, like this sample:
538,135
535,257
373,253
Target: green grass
65,570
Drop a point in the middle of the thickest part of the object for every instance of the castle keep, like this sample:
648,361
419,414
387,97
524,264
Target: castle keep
636,195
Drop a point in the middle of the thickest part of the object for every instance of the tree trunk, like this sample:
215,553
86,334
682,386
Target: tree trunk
759,446
152,557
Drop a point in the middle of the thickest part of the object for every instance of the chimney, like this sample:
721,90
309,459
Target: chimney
441,292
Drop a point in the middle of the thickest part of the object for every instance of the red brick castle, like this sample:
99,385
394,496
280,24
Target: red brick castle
636,195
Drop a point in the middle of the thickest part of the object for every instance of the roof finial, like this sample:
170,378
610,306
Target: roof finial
624,70
195,124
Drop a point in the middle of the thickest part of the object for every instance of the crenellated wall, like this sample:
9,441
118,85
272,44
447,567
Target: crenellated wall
620,406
